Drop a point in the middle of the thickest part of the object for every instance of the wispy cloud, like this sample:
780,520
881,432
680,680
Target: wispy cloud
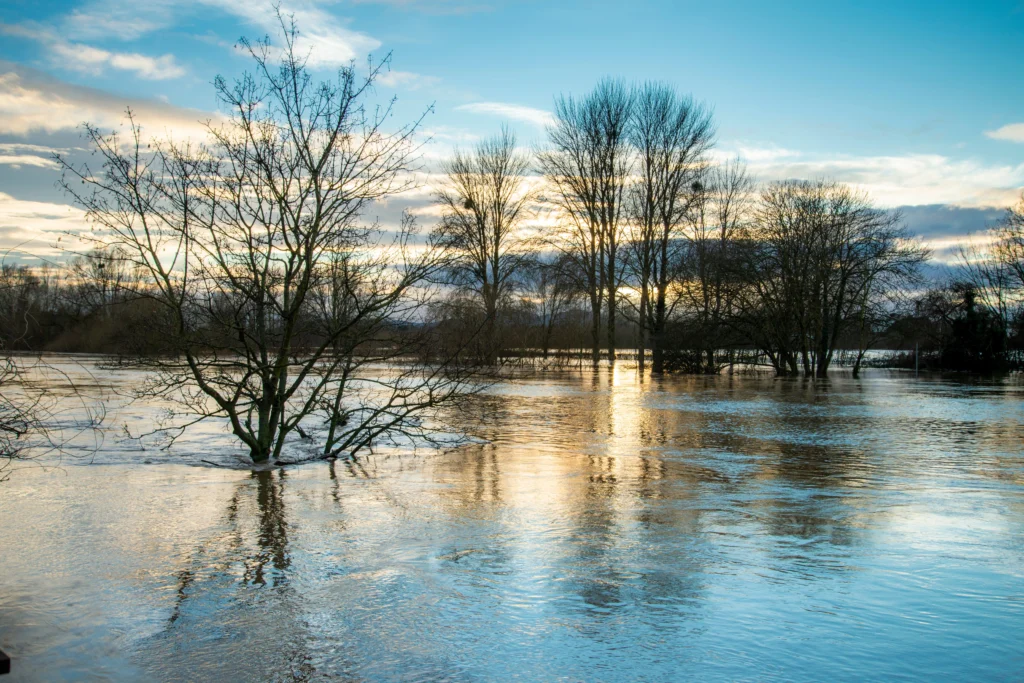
31,102
26,148
515,112
322,35
17,155
752,153
93,60
78,57
1014,132
407,80
433,6
118,19
765,154
36,226
19,160
912,179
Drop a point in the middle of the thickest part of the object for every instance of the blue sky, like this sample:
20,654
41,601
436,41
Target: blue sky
918,103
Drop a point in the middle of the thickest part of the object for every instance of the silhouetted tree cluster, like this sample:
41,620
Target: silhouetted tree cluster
84,305
644,227
975,321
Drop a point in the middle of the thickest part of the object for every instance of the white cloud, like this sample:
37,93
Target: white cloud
118,19
86,59
17,154
18,160
406,79
1014,132
432,6
439,143
322,36
36,226
24,147
516,112
912,179
93,60
755,154
155,68
31,103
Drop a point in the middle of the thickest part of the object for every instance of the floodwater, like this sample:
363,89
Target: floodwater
728,528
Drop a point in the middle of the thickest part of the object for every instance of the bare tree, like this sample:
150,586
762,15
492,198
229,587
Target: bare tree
99,279
587,167
720,213
816,253
671,135
994,270
253,245
991,276
41,407
22,410
1009,246
485,200
19,410
20,294
551,289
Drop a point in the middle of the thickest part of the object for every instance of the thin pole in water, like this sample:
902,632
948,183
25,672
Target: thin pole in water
915,358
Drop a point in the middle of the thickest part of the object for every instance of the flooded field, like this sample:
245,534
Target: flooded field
605,529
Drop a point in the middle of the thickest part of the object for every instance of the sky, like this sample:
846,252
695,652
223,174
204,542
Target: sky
920,104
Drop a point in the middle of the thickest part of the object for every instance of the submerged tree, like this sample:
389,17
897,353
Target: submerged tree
253,244
1009,245
551,289
587,167
19,413
671,135
20,410
990,282
711,281
965,333
815,254
485,200
41,408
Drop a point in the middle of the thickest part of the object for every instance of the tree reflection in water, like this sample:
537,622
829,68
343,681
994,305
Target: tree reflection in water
273,533
235,609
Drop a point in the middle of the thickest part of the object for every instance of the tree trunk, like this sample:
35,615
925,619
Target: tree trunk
657,355
611,324
710,368
657,336
824,356
260,450
645,304
823,363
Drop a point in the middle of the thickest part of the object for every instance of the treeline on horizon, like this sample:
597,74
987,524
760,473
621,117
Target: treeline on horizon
635,240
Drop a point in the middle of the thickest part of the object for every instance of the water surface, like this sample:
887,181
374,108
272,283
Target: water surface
728,528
